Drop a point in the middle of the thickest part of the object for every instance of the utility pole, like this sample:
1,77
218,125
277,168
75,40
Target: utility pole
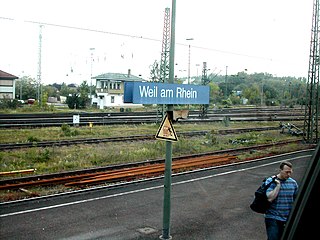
91,65
39,94
311,118
168,160
20,89
226,82
21,83
205,81
189,39
261,95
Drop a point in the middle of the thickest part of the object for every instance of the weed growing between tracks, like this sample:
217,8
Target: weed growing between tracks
66,158
58,159
58,133
10,195
65,133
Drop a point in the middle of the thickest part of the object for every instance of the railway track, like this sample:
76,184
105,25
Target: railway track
128,172
57,119
122,174
12,146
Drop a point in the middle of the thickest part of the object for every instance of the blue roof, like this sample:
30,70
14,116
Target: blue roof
118,77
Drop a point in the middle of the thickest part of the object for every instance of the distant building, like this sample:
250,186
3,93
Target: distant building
110,88
7,85
52,100
63,99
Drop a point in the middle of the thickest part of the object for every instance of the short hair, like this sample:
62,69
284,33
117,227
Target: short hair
282,164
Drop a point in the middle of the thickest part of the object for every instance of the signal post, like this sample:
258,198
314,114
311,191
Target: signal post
169,94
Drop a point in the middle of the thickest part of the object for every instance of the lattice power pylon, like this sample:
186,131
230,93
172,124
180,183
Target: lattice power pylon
311,119
205,81
165,53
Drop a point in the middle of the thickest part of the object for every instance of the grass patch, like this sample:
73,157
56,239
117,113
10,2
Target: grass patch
66,132
65,158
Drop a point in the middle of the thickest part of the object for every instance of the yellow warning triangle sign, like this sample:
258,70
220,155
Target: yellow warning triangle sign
166,130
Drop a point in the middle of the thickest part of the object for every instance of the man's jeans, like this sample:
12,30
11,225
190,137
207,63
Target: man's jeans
274,228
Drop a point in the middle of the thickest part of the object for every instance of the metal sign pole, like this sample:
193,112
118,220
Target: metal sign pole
168,161
167,193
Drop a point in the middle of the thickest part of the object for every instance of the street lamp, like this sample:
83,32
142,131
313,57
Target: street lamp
197,65
91,49
226,82
21,85
189,39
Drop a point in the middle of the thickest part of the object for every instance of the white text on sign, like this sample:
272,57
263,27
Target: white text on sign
179,92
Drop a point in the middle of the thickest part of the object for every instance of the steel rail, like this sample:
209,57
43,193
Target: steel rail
59,178
50,123
153,170
125,173
57,119
151,113
12,146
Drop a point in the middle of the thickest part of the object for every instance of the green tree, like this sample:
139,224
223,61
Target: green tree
84,91
51,91
214,92
80,99
252,94
27,86
66,90
155,72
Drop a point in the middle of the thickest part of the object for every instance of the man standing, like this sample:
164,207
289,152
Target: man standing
282,194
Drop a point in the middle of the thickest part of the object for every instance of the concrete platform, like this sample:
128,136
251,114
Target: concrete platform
205,205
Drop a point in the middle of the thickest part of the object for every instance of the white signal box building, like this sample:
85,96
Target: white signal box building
110,89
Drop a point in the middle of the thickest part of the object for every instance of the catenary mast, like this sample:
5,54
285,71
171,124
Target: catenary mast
205,81
164,63
311,119
165,53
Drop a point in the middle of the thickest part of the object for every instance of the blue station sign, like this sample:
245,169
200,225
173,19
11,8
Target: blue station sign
165,93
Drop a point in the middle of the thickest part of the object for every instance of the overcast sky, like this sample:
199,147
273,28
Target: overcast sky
258,35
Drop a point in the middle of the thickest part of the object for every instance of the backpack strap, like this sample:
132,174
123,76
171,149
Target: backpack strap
269,184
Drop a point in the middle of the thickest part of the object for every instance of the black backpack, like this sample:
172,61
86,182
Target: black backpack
260,202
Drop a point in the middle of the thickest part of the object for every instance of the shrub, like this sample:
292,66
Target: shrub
33,139
67,131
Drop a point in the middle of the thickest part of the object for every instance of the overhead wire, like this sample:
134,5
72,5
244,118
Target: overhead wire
134,36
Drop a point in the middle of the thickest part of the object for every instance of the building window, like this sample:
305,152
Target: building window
112,99
115,85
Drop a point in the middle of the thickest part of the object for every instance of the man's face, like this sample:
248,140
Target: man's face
286,172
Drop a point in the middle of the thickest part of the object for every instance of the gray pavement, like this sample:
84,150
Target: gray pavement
205,205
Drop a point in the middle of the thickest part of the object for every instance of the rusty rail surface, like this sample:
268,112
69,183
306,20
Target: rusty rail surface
126,173
155,169
25,171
